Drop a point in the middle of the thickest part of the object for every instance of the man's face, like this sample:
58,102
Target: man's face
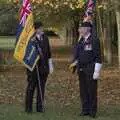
39,30
83,31
88,19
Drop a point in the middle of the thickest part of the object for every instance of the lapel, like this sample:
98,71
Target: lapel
89,41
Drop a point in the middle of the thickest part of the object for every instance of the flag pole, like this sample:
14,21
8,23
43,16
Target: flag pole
39,85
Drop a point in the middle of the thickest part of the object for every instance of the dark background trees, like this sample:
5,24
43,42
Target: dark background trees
63,17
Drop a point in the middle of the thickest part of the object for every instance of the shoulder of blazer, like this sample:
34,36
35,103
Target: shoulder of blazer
45,36
95,41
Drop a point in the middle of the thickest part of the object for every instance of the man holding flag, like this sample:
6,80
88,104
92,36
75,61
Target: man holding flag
33,51
38,77
87,58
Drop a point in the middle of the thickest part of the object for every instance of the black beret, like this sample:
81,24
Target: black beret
38,25
86,24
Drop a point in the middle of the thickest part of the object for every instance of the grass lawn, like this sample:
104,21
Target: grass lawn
7,42
16,112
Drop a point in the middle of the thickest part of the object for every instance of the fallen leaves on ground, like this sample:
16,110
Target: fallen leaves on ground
62,86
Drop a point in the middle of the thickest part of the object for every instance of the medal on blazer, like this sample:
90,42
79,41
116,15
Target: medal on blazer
87,45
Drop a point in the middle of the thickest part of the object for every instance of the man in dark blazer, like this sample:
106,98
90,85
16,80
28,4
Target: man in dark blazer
87,59
38,77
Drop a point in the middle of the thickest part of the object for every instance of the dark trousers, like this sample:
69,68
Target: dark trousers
88,93
35,83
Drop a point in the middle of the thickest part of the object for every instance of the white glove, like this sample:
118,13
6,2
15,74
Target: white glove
50,66
96,75
97,70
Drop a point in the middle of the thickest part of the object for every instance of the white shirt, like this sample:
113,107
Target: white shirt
39,35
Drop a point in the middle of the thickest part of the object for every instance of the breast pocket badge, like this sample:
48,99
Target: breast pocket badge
88,47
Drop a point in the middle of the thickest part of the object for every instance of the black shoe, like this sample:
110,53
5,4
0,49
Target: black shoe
41,110
84,113
28,111
92,115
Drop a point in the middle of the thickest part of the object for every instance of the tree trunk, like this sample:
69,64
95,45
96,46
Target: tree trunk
118,27
75,32
108,40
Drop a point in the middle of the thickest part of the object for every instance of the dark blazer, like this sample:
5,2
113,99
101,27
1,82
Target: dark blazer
46,54
88,58
43,48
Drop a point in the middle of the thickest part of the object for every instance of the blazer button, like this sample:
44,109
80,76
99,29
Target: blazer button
81,69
